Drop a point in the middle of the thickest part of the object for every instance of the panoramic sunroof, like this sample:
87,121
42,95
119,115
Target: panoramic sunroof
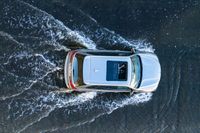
116,71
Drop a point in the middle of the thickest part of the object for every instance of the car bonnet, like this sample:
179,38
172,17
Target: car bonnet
151,71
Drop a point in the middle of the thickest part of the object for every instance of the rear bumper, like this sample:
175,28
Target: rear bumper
68,71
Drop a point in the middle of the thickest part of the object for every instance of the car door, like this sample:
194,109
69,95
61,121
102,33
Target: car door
106,88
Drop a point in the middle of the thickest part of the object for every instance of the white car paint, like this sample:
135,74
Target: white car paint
151,72
94,70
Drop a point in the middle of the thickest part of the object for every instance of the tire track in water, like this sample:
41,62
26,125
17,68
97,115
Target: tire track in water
175,78
188,100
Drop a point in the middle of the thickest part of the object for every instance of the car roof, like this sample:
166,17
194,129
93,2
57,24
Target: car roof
95,67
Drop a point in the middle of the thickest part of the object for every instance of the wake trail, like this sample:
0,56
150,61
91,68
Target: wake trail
32,23
107,107
80,99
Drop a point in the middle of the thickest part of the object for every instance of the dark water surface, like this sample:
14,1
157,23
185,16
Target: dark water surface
36,35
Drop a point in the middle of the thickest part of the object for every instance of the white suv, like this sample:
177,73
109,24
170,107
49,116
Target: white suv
112,71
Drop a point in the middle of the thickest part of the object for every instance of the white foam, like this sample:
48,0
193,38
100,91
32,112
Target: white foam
91,18
133,100
52,100
107,106
62,31
9,37
56,102
46,60
139,44
142,45
81,39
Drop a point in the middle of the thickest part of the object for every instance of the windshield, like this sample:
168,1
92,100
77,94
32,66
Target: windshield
135,71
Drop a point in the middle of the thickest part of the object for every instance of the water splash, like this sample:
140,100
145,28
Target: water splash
103,107
37,40
45,104
142,45
27,20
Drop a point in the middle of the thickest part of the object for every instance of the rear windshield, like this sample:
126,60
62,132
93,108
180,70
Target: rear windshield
116,71
78,69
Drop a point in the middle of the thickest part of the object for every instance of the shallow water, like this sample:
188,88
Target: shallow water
35,37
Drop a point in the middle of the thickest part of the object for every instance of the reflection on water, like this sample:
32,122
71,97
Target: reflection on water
35,37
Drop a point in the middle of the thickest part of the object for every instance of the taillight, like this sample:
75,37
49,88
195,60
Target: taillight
71,56
71,84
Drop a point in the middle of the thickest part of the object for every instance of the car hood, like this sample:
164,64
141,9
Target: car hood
151,72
